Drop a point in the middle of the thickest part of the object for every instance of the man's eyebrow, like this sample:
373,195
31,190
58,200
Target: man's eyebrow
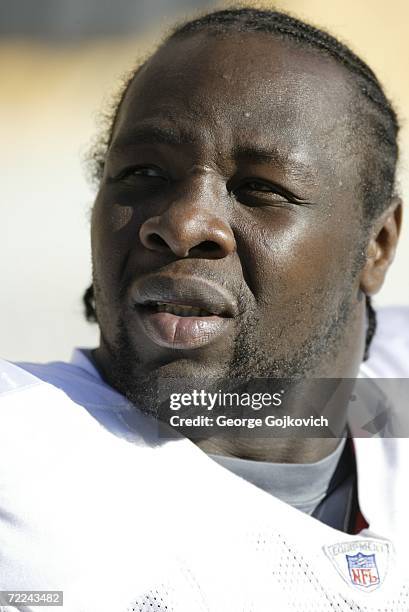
149,134
266,155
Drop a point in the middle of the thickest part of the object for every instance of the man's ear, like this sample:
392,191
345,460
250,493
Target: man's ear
381,247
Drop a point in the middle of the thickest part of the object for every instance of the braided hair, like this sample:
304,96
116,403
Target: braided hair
376,113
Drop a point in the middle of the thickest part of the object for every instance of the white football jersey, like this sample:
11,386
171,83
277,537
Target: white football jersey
95,503
389,351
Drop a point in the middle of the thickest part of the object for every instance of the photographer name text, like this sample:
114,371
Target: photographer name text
283,422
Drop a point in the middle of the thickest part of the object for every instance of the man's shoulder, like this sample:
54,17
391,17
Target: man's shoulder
57,373
393,320
34,389
13,378
78,380
389,352
64,398
20,375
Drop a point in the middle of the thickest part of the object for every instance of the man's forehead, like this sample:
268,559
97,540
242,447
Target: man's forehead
242,93
233,53
256,80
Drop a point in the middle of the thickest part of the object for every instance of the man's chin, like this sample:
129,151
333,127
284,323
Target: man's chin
148,386
147,379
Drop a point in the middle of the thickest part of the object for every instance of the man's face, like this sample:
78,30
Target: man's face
231,187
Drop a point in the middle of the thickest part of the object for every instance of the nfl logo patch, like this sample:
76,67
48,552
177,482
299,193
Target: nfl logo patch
363,570
362,563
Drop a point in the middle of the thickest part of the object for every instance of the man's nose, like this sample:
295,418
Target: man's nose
188,228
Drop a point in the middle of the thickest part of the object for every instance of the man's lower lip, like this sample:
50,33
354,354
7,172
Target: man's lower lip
173,331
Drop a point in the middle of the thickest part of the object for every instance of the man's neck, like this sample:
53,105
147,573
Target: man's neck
275,450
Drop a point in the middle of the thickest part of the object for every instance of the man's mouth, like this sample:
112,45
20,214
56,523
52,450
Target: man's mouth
182,312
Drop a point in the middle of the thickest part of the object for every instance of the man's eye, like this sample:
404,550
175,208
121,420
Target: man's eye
255,192
148,172
259,186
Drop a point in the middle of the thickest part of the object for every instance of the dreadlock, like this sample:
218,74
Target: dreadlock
371,326
377,116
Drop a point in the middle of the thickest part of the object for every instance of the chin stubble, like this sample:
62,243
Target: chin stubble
249,361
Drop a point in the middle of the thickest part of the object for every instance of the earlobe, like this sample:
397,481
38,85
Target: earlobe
381,248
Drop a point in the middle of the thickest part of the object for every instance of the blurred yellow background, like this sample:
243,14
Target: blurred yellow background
50,98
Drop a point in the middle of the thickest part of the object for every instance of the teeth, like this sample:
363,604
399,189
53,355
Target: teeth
181,311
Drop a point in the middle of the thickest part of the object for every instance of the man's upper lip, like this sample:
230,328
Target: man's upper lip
184,290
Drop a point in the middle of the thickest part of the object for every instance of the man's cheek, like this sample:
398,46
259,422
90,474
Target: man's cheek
317,257
296,263
119,218
303,287
111,239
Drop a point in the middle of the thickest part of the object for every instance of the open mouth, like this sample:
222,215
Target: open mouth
180,310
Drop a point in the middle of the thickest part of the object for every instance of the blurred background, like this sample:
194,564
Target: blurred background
60,60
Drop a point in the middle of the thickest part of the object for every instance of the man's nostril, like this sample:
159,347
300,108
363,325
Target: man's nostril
155,241
207,247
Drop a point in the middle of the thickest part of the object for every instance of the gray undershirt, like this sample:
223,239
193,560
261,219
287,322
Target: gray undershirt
302,485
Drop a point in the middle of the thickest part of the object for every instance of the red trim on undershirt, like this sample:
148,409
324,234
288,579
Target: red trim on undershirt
360,523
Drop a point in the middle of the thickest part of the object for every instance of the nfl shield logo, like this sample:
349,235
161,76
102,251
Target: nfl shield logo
363,570
362,563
